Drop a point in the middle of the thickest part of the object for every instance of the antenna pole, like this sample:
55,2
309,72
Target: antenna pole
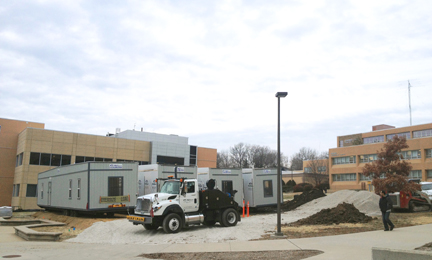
409,97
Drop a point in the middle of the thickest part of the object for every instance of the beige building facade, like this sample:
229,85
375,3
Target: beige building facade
348,159
28,149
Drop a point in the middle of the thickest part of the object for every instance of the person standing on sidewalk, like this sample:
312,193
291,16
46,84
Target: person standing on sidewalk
386,206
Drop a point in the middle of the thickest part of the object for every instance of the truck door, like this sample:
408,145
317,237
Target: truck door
189,196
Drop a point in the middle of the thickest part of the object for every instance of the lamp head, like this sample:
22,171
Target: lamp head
281,94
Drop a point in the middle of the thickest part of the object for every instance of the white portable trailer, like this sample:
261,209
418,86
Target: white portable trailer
260,187
89,187
228,181
151,176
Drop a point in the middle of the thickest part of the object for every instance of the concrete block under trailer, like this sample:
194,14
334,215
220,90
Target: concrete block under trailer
151,177
89,188
181,203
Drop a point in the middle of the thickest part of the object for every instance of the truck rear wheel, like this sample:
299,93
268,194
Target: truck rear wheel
150,227
172,223
230,218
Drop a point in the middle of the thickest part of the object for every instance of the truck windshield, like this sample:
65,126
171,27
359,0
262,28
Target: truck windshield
427,186
171,187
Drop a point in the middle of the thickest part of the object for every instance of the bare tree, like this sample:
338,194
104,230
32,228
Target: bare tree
239,155
223,160
304,154
317,170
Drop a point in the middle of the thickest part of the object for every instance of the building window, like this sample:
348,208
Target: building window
416,174
322,168
169,160
16,190
408,155
407,136
115,186
31,190
344,160
374,139
49,159
80,159
19,160
341,143
364,177
307,169
268,188
45,159
34,159
227,187
429,174
55,160
368,158
70,189
428,153
192,155
422,133
79,189
344,177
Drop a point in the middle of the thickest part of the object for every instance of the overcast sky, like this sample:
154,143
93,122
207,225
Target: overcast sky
209,70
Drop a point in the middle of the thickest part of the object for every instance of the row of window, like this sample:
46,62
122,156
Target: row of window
344,160
406,155
415,174
30,192
407,135
319,169
48,159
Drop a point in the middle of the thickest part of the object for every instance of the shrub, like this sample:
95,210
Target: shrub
302,187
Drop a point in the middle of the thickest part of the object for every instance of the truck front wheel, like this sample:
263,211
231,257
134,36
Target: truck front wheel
230,218
172,223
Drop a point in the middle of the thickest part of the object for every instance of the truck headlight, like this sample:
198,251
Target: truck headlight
156,208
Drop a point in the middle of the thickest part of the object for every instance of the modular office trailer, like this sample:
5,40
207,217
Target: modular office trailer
227,180
150,177
90,187
260,187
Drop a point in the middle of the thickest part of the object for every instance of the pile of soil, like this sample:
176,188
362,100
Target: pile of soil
301,199
343,213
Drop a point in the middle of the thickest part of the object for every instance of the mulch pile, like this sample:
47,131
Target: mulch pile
301,199
343,213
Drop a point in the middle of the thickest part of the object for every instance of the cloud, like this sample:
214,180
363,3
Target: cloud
209,71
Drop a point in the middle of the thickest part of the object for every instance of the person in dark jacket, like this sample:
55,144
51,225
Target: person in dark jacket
386,206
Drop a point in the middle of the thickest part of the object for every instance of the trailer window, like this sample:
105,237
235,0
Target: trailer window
70,189
227,187
268,188
115,186
42,191
79,189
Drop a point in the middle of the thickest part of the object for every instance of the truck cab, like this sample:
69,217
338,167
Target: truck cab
181,203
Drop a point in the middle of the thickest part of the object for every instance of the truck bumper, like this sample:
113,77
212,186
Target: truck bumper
137,219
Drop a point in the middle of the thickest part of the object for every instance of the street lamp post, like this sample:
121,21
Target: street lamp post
279,173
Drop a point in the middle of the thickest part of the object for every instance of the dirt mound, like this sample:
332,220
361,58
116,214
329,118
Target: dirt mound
343,213
301,199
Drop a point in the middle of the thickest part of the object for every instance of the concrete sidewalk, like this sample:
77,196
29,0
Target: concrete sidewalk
351,246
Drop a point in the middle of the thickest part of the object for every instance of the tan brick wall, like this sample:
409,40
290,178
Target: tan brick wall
206,157
421,144
74,144
9,145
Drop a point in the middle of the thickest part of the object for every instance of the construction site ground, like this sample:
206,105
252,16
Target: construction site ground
400,219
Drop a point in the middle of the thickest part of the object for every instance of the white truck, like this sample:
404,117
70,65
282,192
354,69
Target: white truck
180,203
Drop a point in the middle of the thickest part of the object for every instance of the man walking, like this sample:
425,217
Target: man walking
386,206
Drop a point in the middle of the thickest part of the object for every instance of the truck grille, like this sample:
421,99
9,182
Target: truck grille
143,205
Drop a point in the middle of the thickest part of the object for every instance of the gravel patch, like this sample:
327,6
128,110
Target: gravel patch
124,232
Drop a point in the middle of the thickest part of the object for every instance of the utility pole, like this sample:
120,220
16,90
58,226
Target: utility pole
409,97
